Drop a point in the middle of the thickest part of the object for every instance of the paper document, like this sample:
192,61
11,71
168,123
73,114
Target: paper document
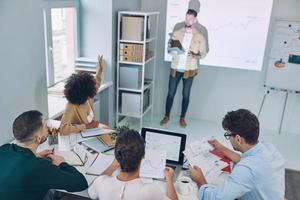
95,132
200,146
51,123
74,157
66,142
153,164
100,164
198,154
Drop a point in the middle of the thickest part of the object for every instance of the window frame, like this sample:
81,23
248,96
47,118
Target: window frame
48,5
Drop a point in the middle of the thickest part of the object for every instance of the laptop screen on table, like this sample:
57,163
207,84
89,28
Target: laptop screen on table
171,142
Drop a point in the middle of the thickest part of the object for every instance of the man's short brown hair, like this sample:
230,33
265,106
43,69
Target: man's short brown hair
26,124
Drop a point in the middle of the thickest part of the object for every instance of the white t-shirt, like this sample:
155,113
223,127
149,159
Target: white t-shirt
110,188
91,115
186,42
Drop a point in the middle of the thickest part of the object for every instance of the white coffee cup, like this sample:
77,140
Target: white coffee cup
184,185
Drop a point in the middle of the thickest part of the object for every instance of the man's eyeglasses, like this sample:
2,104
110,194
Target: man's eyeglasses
227,135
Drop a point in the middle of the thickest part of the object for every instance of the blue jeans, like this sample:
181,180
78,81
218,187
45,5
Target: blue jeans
186,90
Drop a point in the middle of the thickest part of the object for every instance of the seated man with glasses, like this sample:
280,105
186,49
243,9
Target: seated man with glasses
28,174
259,169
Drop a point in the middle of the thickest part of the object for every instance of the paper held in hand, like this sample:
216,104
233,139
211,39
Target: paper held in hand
198,153
153,164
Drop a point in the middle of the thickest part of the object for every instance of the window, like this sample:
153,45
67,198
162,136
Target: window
61,39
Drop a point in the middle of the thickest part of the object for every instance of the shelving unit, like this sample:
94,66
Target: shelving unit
145,68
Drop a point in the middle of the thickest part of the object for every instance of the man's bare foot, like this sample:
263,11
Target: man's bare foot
165,120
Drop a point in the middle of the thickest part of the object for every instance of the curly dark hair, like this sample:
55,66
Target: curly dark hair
129,150
244,123
80,87
26,124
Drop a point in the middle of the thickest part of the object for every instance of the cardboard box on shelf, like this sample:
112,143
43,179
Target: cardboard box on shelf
132,28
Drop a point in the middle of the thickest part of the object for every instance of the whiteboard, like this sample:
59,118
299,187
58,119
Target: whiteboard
237,30
284,60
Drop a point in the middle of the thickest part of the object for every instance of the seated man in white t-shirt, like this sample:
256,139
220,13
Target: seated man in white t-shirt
129,152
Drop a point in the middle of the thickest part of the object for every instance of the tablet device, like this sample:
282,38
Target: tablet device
171,142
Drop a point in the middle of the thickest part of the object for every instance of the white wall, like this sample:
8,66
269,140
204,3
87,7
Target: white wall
22,62
98,24
217,90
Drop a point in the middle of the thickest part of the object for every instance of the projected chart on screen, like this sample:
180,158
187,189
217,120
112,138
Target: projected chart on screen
237,30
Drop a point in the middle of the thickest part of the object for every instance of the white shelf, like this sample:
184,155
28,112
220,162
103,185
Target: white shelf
136,115
147,110
138,13
138,42
146,86
130,63
150,61
137,63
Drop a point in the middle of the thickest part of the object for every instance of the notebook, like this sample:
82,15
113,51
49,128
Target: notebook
95,132
176,46
75,157
96,145
100,164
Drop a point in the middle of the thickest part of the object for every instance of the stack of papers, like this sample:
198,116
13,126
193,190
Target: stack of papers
95,132
198,154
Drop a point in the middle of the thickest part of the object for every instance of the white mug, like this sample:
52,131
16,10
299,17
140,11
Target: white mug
184,185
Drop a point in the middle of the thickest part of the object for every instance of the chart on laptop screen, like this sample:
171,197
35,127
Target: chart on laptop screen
168,143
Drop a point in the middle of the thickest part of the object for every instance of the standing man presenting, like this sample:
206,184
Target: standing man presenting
184,65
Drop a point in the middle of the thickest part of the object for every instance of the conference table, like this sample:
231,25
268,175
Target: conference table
93,155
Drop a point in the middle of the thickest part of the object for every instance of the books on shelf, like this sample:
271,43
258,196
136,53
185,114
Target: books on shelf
130,52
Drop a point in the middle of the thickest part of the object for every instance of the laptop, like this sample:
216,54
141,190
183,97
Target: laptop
171,142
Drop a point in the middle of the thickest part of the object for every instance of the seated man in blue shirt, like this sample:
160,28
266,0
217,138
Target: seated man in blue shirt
259,169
